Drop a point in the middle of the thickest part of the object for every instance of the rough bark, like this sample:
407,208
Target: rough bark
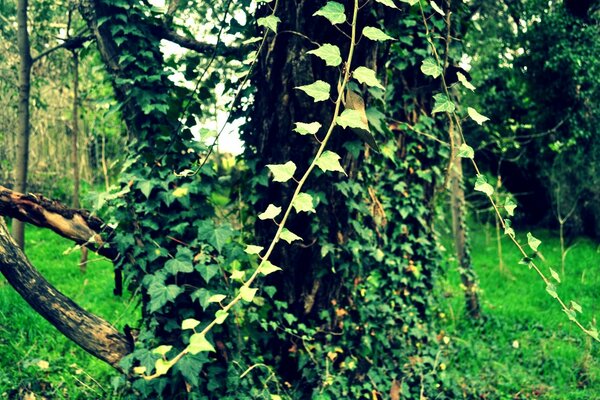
77,225
23,113
89,331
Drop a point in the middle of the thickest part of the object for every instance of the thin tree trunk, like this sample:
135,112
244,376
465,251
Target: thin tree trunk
75,131
22,159
459,230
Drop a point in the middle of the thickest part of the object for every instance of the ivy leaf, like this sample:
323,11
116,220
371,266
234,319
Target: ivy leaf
430,67
533,242
509,206
328,53
466,151
376,34
410,2
333,11
442,104
237,275
180,192
318,90
282,172
221,316
248,293
208,271
162,350
269,22
330,161
367,76
475,116
353,119
174,266
307,128
388,3
437,8
481,185
251,249
268,268
215,235
572,315
303,202
463,79
199,343
189,323
508,230
216,298
270,213
576,307
161,294
551,289
289,236
555,275
162,366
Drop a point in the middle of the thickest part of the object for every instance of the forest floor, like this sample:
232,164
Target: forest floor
523,348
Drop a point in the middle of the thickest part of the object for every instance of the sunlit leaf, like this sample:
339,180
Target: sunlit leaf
367,76
216,298
333,11
481,185
318,90
189,323
437,8
330,161
289,236
307,128
268,268
466,151
533,242
248,293
555,275
510,206
251,249
376,34
282,172
238,275
221,316
269,22
389,3
199,343
551,289
475,116
430,67
329,53
303,203
162,366
576,307
463,79
162,350
353,119
442,104
271,212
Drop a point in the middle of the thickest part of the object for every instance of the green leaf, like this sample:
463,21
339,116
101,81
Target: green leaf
466,151
268,268
411,2
216,298
282,172
270,213
303,202
307,128
207,271
555,275
510,206
442,104
248,293
221,316
161,294
215,235
481,185
376,34
333,11
508,230
353,119
175,265
328,53
269,22
533,242
475,116
162,350
289,236
551,289
330,161
437,8
189,323
463,79
162,366
318,90
180,192
388,3
367,76
251,249
198,343
237,275
430,67
576,307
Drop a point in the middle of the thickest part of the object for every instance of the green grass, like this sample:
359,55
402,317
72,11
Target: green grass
26,338
554,359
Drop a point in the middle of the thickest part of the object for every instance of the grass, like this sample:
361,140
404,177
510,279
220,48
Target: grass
525,347
27,340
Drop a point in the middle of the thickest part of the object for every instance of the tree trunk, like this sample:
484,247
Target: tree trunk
22,160
459,231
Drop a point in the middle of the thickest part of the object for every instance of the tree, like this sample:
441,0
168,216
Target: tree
372,230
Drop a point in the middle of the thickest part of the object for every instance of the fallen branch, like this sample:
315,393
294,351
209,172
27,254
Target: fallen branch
89,331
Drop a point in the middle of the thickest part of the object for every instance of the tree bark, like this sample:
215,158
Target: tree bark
22,160
89,331
77,225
